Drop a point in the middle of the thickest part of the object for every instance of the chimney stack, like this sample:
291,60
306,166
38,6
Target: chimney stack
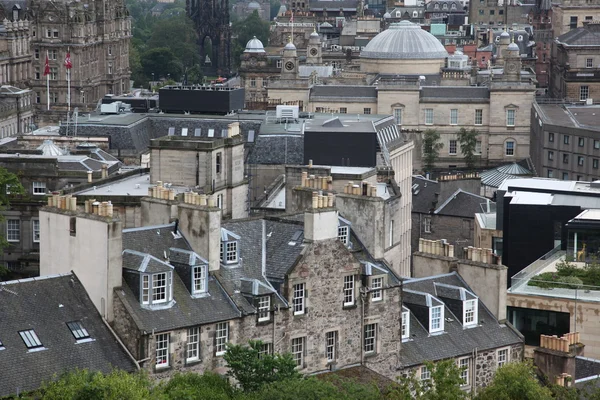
321,221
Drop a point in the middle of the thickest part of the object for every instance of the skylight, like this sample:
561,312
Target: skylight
78,331
30,338
1,345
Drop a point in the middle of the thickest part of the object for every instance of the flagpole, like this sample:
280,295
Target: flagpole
47,85
68,84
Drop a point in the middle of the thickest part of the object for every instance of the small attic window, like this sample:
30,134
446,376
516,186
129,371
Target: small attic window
157,288
470,312
343,234
78,331
436,319
405,323
229,252
30,339
199,279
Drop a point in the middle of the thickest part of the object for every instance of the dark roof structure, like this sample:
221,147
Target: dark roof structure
456,340
451,94
462,204
325,92
588,35
45,306
276,149
495,176
425,194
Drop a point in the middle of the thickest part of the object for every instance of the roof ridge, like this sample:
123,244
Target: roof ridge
36,278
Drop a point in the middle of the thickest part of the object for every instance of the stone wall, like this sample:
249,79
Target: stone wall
126,329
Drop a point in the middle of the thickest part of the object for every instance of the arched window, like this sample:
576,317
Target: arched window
415,14
453,6
436,6
444,6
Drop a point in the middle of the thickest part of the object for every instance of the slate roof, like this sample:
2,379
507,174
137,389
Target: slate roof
46,305
456,341
452,93
423,194
78,163
586,367
585,36
348,92
462,204
276,149
154,240
494,177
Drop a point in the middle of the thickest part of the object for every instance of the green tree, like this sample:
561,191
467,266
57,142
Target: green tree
194,386
251,369
87,385
314,389
444,384
244,30
9,186
177,34
515,381
161,62
468,144
431,147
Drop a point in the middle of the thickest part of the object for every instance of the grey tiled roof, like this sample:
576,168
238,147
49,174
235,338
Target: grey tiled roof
423,194
455,341
142,262
276,149
586,367
584,36
448,93
186,311
462,204
154,240
46,305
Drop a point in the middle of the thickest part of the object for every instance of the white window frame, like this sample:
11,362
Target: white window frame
298,345
39,188
405,328
465,363
231,254
221,338
298,298
436,319
31,339
454,116
470,312
580,161
377,288
367,110
145,289
35,230
429,117
589,63
162,350
452,147
502,357
424,373
161,295
427,224
13,230
193,344
511,117
264,308
349,284
584,92
266,348
343,235
508,149
398,115
199,275
330,346
479,116
478,147
370,339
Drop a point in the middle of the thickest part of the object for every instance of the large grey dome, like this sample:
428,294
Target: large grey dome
254,45
404,40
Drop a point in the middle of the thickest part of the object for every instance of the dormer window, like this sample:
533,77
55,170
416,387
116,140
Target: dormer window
436,319
405,323
157,288
199,279
344,230
436,6
264,308
470,312
229,247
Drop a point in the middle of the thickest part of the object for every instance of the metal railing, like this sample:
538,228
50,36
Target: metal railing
534,268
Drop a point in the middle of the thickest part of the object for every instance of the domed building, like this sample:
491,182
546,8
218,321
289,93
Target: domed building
403,48
255,70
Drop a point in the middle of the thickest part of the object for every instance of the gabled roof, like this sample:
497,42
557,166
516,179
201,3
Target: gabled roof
456,340
588,35
424,199
462,204
495,176
45,305
154,240
142,262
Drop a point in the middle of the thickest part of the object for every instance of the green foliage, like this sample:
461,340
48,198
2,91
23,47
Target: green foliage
252,370
431,147
244,30
569,276
515,381
194,386
314,389
444,384
468,144
9,182
87,385
275,5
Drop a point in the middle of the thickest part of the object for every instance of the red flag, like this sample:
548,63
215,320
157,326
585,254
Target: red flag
47,66
68,63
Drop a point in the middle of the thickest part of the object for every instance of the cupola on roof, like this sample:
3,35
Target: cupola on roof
254,45
253,6
404,40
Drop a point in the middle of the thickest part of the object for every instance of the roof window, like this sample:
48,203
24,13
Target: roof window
78,331
30,339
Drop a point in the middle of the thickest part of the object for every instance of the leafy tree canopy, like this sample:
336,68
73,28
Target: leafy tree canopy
431,147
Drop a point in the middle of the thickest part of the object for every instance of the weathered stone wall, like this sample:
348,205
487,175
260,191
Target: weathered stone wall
126,329
368,220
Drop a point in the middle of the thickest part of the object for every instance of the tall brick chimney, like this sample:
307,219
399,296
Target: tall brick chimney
556,357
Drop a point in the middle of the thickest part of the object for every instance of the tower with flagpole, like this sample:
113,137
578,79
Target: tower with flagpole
47,75
68,66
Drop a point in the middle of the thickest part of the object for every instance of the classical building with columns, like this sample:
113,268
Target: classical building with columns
97,35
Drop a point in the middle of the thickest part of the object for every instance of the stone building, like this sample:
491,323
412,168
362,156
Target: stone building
255,70
15,45
214,165
572,14
302,284
97,36
575,64
495,102
565,141
244,8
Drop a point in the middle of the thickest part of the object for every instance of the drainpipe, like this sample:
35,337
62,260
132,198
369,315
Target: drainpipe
137,364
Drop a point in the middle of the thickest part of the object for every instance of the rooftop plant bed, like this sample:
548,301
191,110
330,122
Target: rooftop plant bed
569,276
